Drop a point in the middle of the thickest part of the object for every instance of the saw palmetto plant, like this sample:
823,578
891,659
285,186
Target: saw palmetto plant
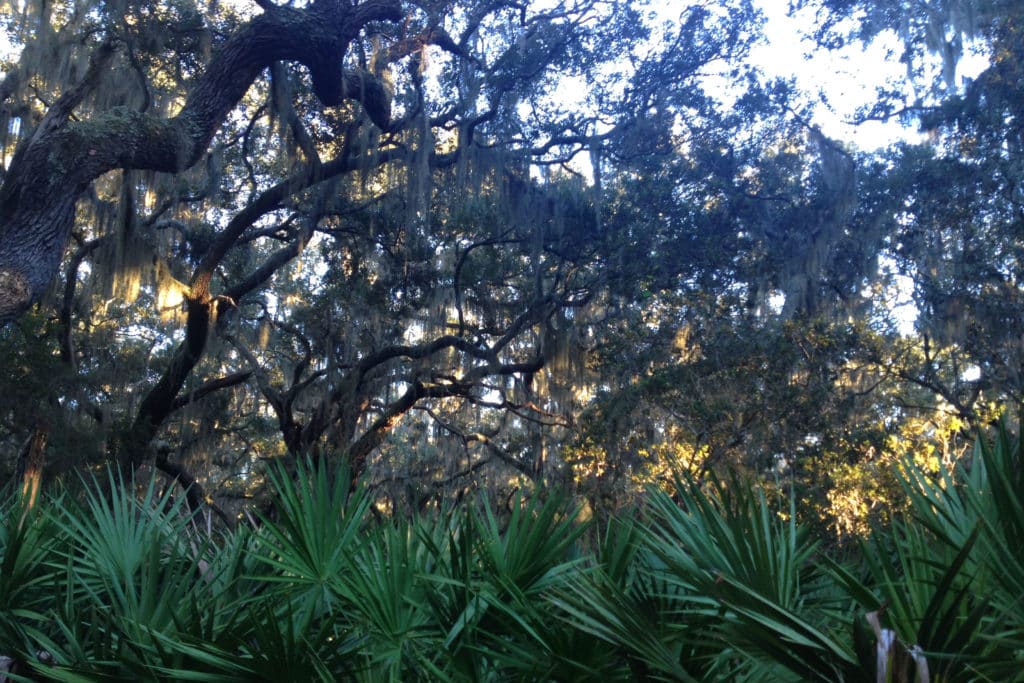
705,582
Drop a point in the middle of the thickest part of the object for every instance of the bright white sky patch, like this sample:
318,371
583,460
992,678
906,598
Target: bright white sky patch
844,79
840,81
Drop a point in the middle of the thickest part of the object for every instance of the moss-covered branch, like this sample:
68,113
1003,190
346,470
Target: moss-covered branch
59,161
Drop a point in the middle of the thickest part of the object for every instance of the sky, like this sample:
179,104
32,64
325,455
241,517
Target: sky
848,78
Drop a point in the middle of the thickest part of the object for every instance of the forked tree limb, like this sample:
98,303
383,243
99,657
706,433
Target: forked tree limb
55,165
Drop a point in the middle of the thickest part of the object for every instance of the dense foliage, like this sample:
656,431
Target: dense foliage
703,584
480,252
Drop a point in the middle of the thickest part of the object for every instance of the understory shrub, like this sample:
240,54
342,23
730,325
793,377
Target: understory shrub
706,582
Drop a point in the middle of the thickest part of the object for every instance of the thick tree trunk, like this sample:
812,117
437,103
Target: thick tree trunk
52,168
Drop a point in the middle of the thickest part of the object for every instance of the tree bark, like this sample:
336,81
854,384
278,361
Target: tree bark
56,164
31,461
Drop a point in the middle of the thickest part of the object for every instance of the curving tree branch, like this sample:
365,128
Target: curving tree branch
54,166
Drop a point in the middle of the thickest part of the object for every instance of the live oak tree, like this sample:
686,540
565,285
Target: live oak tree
389,235
187,162
740,355
77,138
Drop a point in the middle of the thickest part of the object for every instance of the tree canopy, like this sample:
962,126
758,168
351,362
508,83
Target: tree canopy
452,245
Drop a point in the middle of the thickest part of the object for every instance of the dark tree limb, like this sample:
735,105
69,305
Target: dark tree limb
291,430
159,402
374,435
211,386
195,494
67,345
162,399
